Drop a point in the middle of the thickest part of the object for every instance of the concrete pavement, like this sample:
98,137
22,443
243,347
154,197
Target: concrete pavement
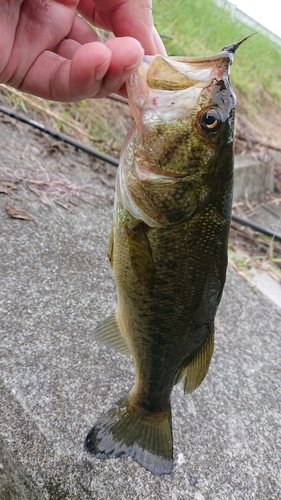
55,285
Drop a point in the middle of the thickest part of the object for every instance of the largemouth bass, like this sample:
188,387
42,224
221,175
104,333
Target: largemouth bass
168,246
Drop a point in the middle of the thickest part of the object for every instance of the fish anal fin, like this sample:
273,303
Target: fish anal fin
195,371
123,432
109,334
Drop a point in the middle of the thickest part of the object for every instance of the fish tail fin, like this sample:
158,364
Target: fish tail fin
144,436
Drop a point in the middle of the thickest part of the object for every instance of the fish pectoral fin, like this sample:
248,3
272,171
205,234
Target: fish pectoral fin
140,253
144,436
111,246
109,334
197,369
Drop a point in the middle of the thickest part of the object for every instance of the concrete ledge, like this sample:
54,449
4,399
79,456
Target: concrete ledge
252,177
15,482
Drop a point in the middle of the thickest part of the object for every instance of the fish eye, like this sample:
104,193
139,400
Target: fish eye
210,120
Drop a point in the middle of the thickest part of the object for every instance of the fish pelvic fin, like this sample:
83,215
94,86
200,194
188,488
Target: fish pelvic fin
144,436
109,334
140,253
197,369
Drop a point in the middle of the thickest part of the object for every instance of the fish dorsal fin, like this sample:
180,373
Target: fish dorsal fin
163,75
197,369
108,333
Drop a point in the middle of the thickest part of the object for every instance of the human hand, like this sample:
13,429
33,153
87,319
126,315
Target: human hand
49,51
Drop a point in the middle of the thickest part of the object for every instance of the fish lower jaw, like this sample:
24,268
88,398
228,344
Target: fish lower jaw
140,215
155,173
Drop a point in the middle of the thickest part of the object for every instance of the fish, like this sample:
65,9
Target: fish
168,246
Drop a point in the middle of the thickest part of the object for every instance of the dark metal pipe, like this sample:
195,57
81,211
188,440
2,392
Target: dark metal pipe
61,136
256,227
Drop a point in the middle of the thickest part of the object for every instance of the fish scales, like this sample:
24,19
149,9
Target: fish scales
168,246
171,318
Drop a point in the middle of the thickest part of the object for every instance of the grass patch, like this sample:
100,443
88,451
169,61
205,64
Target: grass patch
203,28
243,262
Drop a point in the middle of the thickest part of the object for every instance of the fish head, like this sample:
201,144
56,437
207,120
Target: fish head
179,152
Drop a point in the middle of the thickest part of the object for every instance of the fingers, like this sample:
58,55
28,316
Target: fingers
125,18
60,57
95,70
82,32
127,55
67,48
134,18
8,24
55,77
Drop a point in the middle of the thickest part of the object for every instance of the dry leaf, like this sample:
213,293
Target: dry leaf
9,192
82,198
18,214
4,189
8,184
75,202
63,204
43,197
8,187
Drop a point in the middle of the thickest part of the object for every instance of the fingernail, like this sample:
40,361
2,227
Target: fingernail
160,47
102,69
133,67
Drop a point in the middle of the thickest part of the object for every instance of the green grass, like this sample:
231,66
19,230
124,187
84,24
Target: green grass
202,28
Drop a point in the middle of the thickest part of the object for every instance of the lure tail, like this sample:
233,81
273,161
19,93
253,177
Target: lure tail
144,436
